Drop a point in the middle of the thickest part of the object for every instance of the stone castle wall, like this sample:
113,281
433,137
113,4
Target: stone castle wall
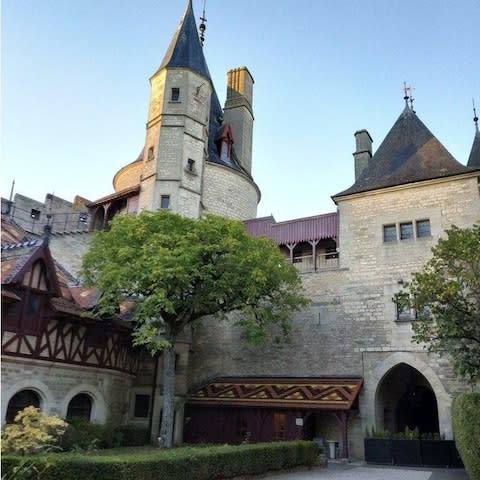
57,384
229,193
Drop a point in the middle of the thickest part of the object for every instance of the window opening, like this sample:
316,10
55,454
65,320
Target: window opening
423,228
175,96
35,214
406,230
389,233
150,154
165,201
142,404
80,406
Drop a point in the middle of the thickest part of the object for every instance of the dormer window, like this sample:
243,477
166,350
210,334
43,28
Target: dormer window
175,94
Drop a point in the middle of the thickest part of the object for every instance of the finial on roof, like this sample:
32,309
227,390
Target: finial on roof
406,97
411,99
475,118
202,27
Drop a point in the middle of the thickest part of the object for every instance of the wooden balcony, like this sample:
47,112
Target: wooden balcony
321,262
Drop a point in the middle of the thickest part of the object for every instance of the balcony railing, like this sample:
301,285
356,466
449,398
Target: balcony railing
323,261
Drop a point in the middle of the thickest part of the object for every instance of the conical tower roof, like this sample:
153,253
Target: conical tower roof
185,49
474,158
409,153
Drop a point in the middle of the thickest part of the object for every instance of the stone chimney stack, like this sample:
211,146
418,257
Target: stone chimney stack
363,152
239,113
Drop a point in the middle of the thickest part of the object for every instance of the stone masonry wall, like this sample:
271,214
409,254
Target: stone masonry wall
350,328
229,193
57,384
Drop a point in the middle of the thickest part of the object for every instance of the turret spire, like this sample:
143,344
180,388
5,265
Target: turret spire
474,158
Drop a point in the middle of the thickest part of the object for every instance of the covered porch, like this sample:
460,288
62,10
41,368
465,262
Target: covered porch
237,410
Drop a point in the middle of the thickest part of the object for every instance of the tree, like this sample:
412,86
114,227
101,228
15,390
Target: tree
178,270
446,294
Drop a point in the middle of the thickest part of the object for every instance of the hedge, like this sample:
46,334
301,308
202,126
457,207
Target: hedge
201,463
466,427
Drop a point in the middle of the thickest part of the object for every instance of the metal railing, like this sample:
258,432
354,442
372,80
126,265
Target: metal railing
324,261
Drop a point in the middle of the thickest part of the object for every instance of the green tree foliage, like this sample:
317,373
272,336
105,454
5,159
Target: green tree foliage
447,297
32,431
466,426
175,270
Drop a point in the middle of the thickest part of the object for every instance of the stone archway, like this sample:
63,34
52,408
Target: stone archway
405,398
375,371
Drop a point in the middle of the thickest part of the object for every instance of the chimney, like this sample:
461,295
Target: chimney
239,113
363,152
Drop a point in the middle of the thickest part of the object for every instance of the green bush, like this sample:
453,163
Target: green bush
206,463
466,427
83,435
32,431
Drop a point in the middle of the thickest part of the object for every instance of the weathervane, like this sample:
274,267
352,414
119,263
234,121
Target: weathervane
475,118
202,26
406,97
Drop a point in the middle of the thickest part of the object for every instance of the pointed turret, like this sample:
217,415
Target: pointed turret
474,158
409,153
185,49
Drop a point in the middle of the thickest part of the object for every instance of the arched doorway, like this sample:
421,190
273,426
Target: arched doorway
405,398
22,399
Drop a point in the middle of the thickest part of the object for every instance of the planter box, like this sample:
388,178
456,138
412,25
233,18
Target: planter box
436,453
406,452
419,453
378,450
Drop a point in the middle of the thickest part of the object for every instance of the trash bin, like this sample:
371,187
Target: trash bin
331,449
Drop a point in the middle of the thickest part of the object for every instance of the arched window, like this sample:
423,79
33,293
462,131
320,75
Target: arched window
19,401
80,406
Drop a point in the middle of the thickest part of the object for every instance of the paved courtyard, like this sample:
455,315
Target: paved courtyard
360,471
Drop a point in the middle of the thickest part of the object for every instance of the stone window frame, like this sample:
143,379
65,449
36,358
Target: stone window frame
406,230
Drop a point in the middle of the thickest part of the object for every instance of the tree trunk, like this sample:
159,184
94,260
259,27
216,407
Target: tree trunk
168,413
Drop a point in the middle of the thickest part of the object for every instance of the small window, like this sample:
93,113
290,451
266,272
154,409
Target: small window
404,309
191,165
83,217
389,233
175,97
165,201
423,228
142,404
35,214
150,154
406,231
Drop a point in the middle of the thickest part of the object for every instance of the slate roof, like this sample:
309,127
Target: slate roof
186,51
12,232
474,158
409,153
15,256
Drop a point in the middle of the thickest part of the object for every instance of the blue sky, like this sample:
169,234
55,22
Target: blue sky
75,86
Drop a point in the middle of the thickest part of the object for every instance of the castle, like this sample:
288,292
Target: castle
350,363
